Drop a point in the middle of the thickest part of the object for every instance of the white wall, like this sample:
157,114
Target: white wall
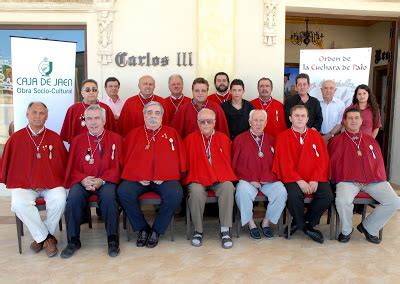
254,59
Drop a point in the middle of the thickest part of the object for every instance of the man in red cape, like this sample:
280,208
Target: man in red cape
93,168
132,111
276,114
252,157
33,165
154,161
222,94
74,122
174,102
357,165
301,163
185,120
209,158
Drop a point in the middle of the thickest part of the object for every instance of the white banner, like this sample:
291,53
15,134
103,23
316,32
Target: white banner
347,67
42,70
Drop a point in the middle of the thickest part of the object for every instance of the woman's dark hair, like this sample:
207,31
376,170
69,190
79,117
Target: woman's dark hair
371,101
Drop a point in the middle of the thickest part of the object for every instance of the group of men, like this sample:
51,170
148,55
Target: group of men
164,145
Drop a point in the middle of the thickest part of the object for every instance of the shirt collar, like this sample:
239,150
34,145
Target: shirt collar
33,132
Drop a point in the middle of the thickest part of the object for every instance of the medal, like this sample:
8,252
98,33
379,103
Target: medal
172,144
50,153
38,156
147,147
83,123
259,141
91,161
359,152
87,158
260,154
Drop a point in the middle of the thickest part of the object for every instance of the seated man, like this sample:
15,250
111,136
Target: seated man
253,154
93,168
209,157
357,165
33,165
301,163
154,161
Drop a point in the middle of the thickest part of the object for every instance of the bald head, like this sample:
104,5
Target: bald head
206,121
146,86
328,90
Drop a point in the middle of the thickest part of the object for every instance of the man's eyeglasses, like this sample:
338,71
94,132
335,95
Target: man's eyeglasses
87,90
206,121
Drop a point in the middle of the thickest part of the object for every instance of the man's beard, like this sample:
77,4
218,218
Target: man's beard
222,88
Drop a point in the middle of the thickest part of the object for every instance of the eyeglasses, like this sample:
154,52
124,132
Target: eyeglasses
206,121
87,90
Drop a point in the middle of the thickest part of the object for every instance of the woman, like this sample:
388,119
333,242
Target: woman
237,110
364,100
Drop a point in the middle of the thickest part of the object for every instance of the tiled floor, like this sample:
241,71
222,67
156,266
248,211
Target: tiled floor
298,260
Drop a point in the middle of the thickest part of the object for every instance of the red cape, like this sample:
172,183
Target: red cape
170,108
247,164
185,120
276,116
132,114
21,169
104,166
159,162
294,161
217,99
73,118
200,169
347,165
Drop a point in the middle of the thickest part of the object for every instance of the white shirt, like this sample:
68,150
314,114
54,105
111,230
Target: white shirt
115,107
332,114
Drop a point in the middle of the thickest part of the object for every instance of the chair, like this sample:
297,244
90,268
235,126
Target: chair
331,213
211,198
150,198
259,198
363,199
41,206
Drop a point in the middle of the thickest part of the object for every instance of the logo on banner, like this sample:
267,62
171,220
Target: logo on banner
45,67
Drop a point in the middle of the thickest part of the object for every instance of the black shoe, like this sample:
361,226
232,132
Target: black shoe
267,231
152,241
254,233
293,229
344,238
315,235
368,236
70,250
142,238
113,248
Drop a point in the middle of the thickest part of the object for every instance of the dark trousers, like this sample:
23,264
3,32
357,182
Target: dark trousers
321,201
171,195
77,206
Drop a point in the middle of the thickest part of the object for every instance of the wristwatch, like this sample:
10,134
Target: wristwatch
103,182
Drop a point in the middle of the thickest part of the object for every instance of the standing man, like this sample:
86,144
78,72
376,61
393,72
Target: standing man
154,161
357,165
209,159
185,120
132,112
221,83
93,168
74,122
176,99
113,100
303,98
276,115
332,111
301,163
253,154
32,166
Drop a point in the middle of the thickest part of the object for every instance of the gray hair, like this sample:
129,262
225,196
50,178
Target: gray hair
153,103
206,110
96,107
260,110
173,76
37,103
